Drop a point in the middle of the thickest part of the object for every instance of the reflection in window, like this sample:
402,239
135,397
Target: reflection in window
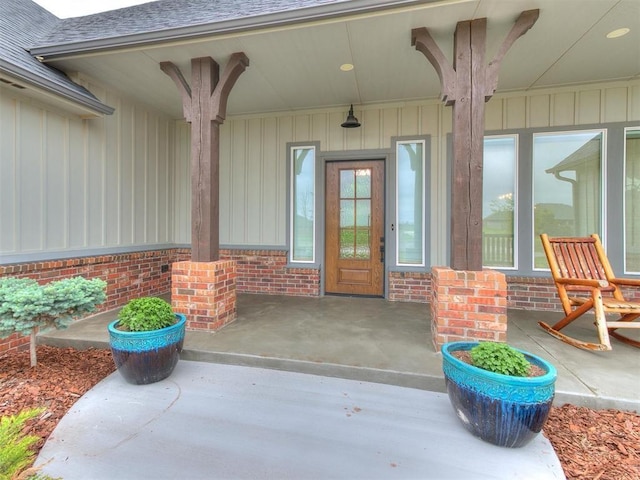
355,214
410,203
303,204
632,201
498,201
567,186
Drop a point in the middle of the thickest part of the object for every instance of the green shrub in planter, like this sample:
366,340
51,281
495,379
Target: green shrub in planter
146,314
500,358
146,340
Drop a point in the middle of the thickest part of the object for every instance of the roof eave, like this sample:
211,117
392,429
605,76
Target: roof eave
322,12
29,78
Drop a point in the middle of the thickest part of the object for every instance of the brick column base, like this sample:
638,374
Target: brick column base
205,292
468,306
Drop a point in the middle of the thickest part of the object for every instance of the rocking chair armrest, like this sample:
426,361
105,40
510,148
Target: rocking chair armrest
583,282
629,282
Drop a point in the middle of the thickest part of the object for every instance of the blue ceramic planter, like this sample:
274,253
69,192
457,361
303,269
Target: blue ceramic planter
500,409
147,357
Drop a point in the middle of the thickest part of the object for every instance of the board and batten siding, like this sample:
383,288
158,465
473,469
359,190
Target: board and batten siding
253,154
74,184
69,184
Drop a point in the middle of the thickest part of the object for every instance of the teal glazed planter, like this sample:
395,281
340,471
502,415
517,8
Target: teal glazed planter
503,410
147,357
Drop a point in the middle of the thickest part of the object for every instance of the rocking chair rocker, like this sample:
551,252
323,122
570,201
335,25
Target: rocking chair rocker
585,281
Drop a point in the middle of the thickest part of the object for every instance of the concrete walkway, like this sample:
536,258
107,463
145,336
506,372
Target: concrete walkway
211,421
246,406
385,342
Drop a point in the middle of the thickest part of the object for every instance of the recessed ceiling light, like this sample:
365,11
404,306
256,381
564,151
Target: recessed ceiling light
346,67
618,33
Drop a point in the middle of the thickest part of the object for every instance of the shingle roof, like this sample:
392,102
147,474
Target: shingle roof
22,22
165,15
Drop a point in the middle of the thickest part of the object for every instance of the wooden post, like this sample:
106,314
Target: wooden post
204,105
467,85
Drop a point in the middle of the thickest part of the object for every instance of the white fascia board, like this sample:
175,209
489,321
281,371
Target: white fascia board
321,12
29,78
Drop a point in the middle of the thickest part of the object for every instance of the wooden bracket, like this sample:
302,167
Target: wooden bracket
525,21
424,42
220,87
183,87
234,68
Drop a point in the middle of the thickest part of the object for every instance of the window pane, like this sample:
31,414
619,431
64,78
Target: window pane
632,202
363,183
347,228
355,213
567,197
303,205
498,200
347,183
410,204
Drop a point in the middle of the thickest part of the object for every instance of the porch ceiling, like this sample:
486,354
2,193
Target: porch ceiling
297,67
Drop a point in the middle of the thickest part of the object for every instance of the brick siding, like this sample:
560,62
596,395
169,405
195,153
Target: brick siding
136,274
266,271
128,275
205,292
131,275
409,287
468,306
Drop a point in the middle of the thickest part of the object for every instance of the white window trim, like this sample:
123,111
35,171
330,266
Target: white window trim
424,188
292,179
603,185
516,201
624,201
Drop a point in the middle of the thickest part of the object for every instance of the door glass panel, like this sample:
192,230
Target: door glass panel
355,213
363,183
363,225
567,193
347,184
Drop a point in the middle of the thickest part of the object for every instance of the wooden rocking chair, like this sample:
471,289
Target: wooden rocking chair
585,281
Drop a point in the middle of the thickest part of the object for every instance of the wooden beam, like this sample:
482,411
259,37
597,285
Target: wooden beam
204,105
467,85
205,157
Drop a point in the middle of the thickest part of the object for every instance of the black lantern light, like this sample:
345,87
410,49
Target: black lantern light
351,121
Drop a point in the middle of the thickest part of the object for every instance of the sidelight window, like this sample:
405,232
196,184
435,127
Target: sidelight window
632,200
303,218
499,204
410,203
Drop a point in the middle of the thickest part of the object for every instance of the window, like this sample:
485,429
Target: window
567,186
410,199
499,201
303,204
355,213
632,200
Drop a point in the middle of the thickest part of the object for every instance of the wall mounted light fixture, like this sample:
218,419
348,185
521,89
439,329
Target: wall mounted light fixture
351,121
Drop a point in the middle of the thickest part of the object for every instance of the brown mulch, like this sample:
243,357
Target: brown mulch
591,444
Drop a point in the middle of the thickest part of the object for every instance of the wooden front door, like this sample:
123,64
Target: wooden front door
354,244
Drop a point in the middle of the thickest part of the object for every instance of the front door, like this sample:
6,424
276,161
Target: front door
354,244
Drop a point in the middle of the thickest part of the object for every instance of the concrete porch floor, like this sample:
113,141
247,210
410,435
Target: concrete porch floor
383,342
